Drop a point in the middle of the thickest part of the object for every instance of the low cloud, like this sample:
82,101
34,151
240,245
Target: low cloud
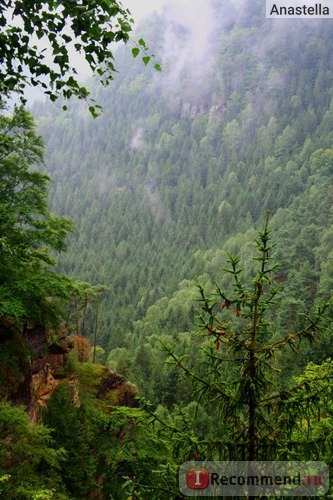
188,37
137,141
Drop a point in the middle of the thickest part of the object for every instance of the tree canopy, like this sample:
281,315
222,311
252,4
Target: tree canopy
28,230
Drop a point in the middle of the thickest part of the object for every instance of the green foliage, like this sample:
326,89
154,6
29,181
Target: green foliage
256,416
159,189
29,232
107,447
63,31
242,408
29,462
13,365
181,170
135,454
314,390
89,26
70,431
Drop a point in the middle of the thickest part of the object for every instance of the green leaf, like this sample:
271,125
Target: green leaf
93,112
143,43
146,60
135,52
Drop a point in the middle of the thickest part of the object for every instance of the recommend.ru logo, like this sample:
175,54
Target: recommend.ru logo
253,478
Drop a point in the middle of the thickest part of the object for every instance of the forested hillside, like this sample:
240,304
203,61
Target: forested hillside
190,318
184,164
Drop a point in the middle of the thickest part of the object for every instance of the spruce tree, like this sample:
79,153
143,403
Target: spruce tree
255,416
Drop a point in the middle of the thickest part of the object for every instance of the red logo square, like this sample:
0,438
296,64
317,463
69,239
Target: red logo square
197,478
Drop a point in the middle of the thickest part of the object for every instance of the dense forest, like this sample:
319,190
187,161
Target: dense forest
200,269
184,165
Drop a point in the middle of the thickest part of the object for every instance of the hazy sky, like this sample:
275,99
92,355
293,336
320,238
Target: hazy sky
142,8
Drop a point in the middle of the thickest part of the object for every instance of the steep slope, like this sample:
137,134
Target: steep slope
180,162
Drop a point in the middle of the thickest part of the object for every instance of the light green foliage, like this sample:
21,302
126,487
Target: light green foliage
313,389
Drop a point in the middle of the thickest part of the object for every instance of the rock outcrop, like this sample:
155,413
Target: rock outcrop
34,362
115,390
